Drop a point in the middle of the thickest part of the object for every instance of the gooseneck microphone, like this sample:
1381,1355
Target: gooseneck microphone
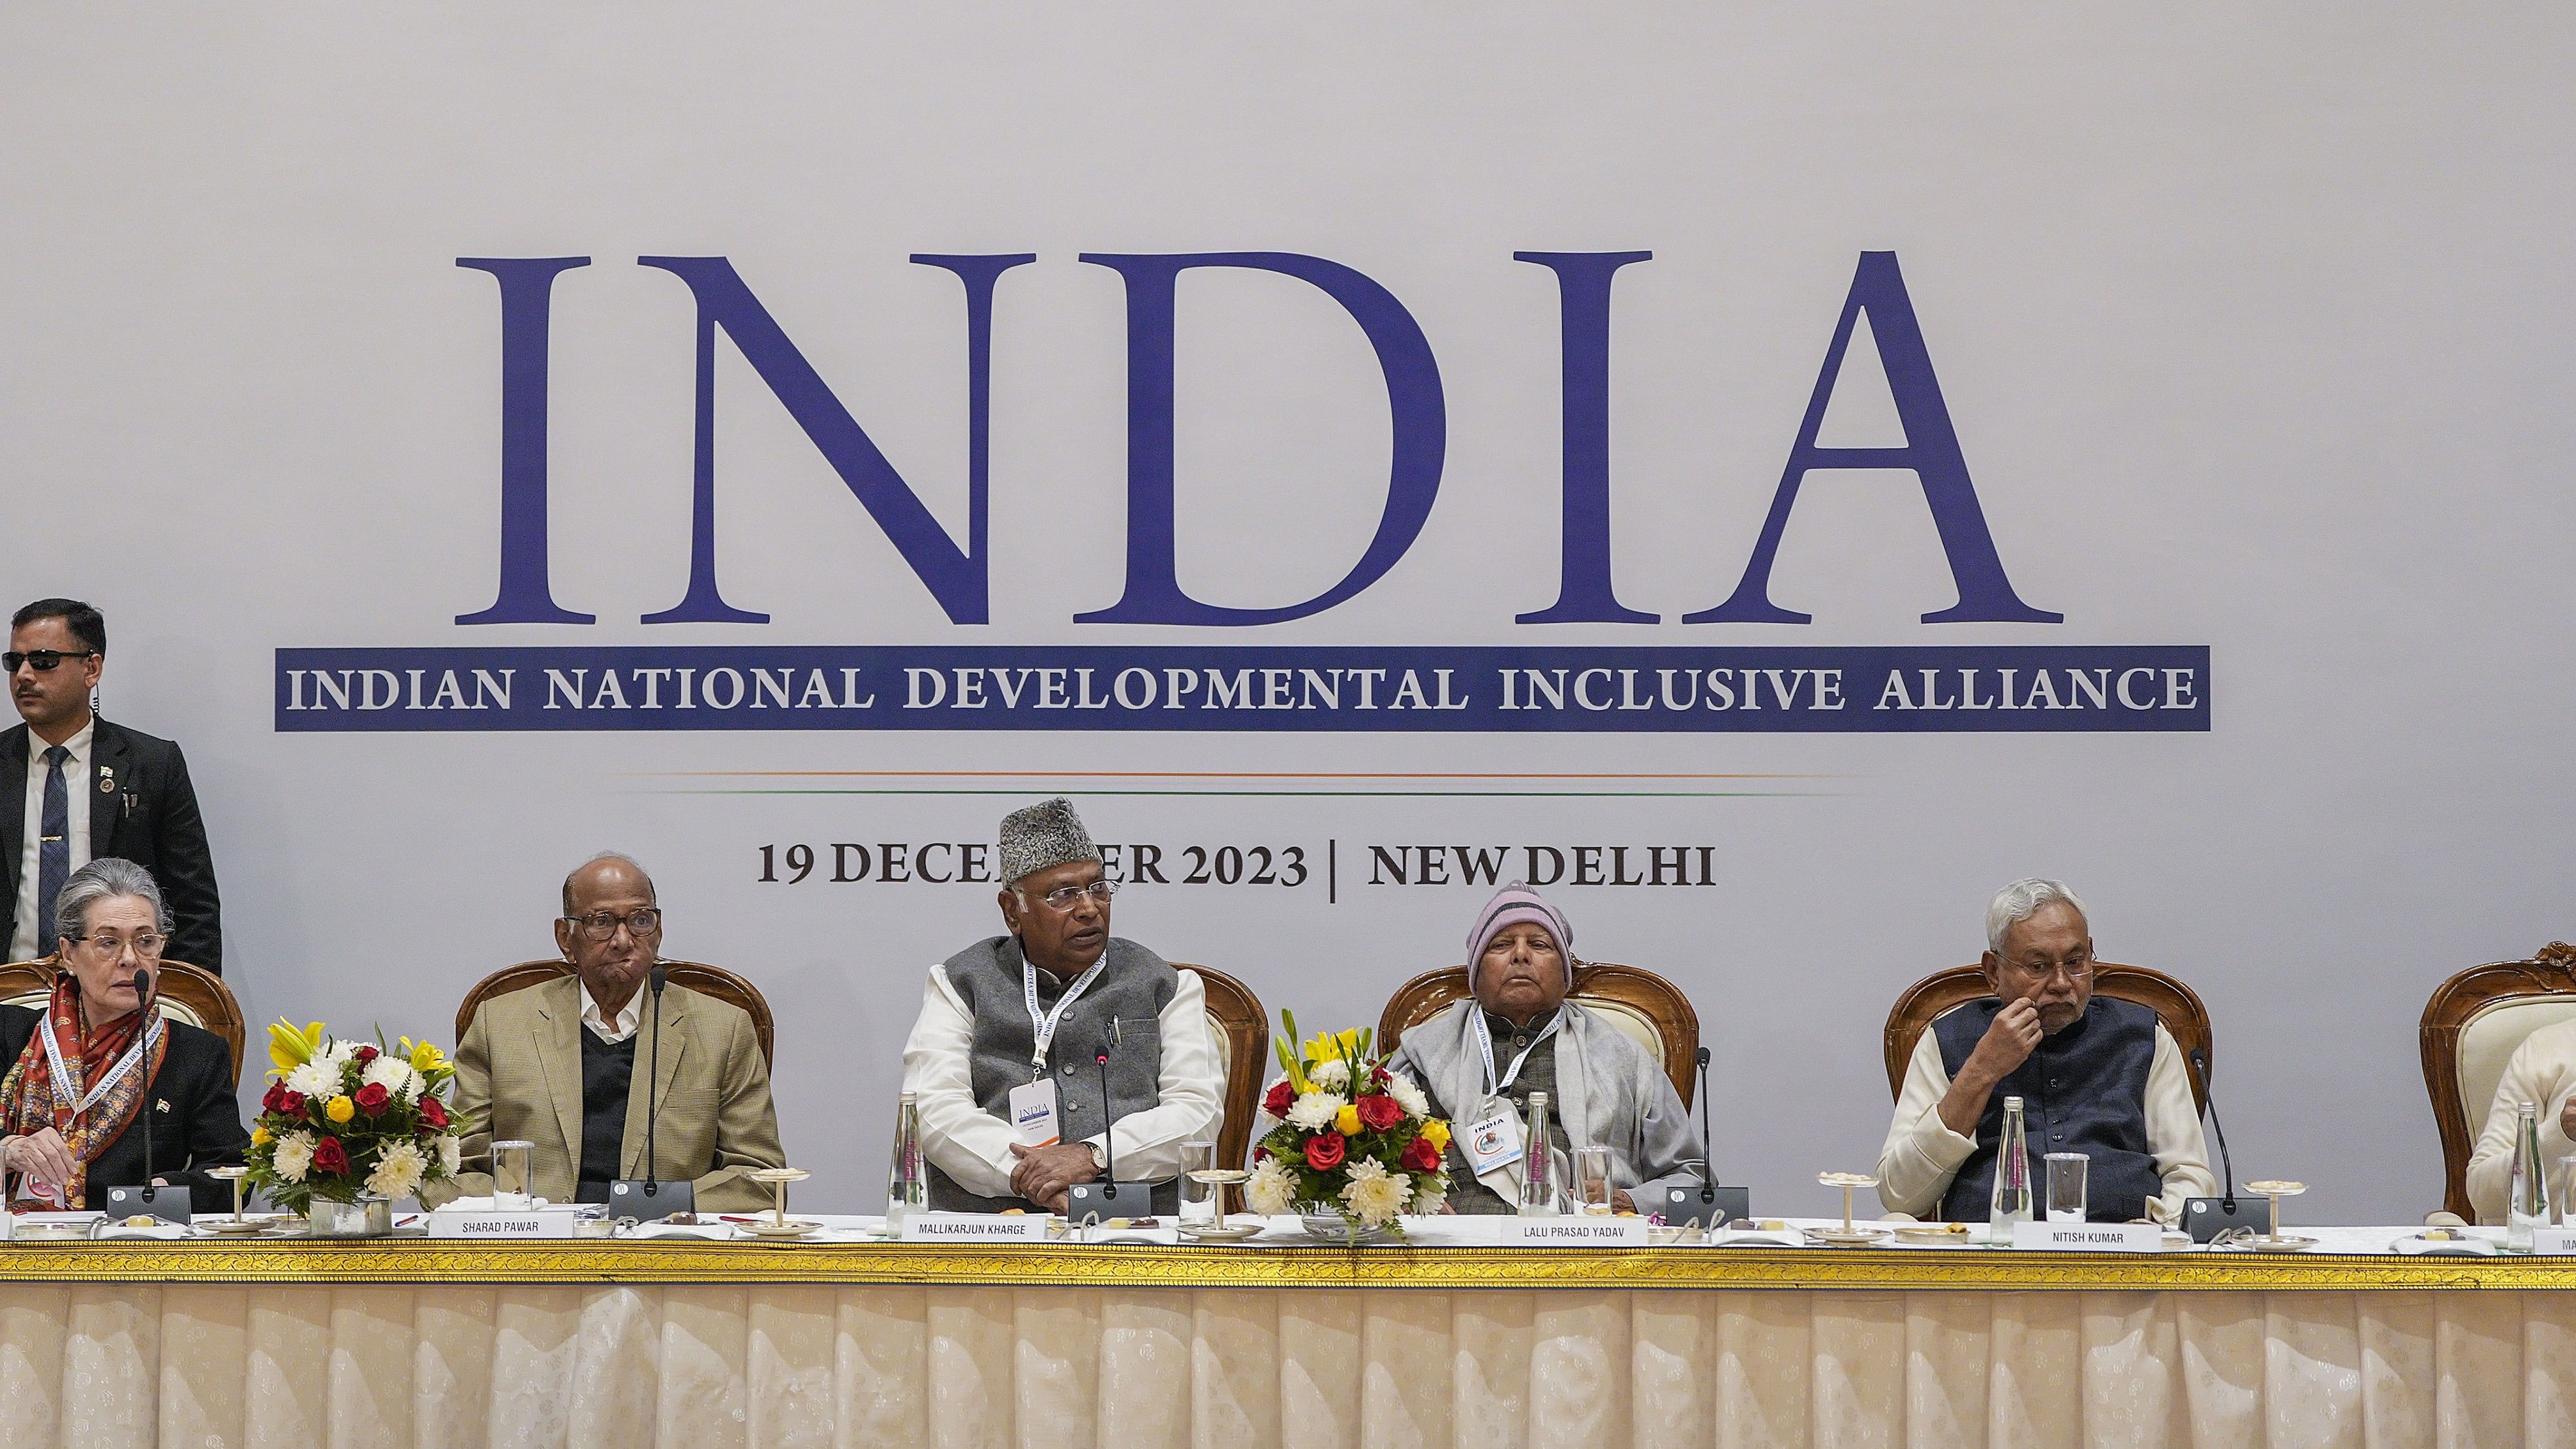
653,1082
2200,1066
1109,1131
143,1011
1707,1155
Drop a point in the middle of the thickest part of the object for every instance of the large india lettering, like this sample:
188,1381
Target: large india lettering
957,578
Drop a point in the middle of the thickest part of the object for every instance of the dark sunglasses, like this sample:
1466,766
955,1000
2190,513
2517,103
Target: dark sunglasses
43,660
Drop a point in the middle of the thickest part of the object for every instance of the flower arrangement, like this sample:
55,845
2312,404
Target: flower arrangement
1352,1136
348,1119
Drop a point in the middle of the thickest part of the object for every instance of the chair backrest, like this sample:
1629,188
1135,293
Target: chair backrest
698,976
1638,1002
1242,1030
2471,1026
187,993
1942,992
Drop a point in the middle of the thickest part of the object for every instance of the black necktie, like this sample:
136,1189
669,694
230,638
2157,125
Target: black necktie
54,851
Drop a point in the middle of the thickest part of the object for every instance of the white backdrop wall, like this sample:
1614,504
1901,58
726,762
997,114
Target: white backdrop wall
2251,325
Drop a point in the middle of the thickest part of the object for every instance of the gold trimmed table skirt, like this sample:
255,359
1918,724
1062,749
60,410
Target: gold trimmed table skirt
276,1346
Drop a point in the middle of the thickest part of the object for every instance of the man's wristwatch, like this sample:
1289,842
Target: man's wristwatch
1099,1157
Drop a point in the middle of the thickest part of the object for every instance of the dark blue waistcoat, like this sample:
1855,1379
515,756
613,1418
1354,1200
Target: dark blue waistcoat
2082,1090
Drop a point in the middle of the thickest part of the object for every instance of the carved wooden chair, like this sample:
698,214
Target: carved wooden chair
2471,1026
706,980
1242,1028
1638,1002
188,993
1942,992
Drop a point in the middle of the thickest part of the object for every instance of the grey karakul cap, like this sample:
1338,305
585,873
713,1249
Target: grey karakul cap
1043,836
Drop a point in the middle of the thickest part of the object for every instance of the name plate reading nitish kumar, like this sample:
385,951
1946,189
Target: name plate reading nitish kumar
2090,1237
1575,1232
974,1228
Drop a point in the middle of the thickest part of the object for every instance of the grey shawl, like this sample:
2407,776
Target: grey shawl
1610,1094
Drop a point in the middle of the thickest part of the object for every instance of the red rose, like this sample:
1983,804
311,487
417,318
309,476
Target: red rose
1379,1113
1421,1156
373,1099
329,1156
275,1101
1324,1151
1279,1100
433,1112
365,1055
292,1104
1261,1155
1378,1077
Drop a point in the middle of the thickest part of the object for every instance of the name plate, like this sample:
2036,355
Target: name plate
515,1227
2553,1242
1575,1232
974,1228
2090,1237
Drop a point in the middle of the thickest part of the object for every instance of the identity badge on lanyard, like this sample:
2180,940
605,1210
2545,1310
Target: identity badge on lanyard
1043,1026
114,1075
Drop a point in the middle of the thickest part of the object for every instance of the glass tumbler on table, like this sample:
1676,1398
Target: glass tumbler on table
1592,1176
2067,1172
510,1164
1198,1195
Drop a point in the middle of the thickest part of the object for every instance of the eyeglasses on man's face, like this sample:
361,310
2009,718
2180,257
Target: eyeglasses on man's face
2077,969
601,925
107,945
43,661
1064,898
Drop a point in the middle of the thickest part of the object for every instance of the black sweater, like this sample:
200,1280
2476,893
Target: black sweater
202,1128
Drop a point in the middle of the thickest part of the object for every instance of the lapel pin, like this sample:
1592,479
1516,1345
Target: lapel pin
161,1106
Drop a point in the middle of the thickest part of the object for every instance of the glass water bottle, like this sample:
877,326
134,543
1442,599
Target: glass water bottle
2011,1202
2528,1205
1538,1177
906,1192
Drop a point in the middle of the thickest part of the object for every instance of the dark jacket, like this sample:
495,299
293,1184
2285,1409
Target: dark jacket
202,1129
149,816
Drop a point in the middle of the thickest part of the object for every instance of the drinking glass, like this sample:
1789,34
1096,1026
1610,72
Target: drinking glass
510,1162
1198,1196
2066,1175
1592,1174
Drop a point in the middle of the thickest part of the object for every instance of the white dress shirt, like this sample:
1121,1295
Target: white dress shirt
1922,1154
35,937
973,1146
629,1020
2542,1071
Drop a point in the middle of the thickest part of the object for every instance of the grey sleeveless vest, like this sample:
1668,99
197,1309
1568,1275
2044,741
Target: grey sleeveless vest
1132,991
2082,1090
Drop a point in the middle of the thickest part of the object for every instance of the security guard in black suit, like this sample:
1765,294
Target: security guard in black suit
132,786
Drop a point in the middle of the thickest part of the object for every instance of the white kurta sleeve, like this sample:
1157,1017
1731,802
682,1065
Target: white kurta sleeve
1190,1091
2173,1133
1921,1154
958,1136
2538,1073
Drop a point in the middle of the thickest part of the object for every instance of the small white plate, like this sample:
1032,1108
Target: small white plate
1216,1233
792,1228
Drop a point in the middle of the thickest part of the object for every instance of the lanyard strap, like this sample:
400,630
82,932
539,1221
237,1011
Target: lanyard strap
1484,1039
1043,1027
124,1064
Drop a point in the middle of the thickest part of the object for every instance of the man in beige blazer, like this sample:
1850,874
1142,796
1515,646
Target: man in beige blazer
566,1066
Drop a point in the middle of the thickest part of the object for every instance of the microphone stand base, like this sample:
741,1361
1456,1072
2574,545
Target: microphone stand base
646,1200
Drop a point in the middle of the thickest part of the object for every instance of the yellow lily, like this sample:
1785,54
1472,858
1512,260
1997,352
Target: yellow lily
289,1048
1328,1047
1288,1062
259,1137
425,1056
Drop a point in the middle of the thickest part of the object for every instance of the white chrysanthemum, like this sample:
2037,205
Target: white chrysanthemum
398,1171
1430,1198
394,1075
1406,1095
339,1054
1271,1190
294,1156
1374,1194
316,1079
451,1155
1314,1112
1332,1072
